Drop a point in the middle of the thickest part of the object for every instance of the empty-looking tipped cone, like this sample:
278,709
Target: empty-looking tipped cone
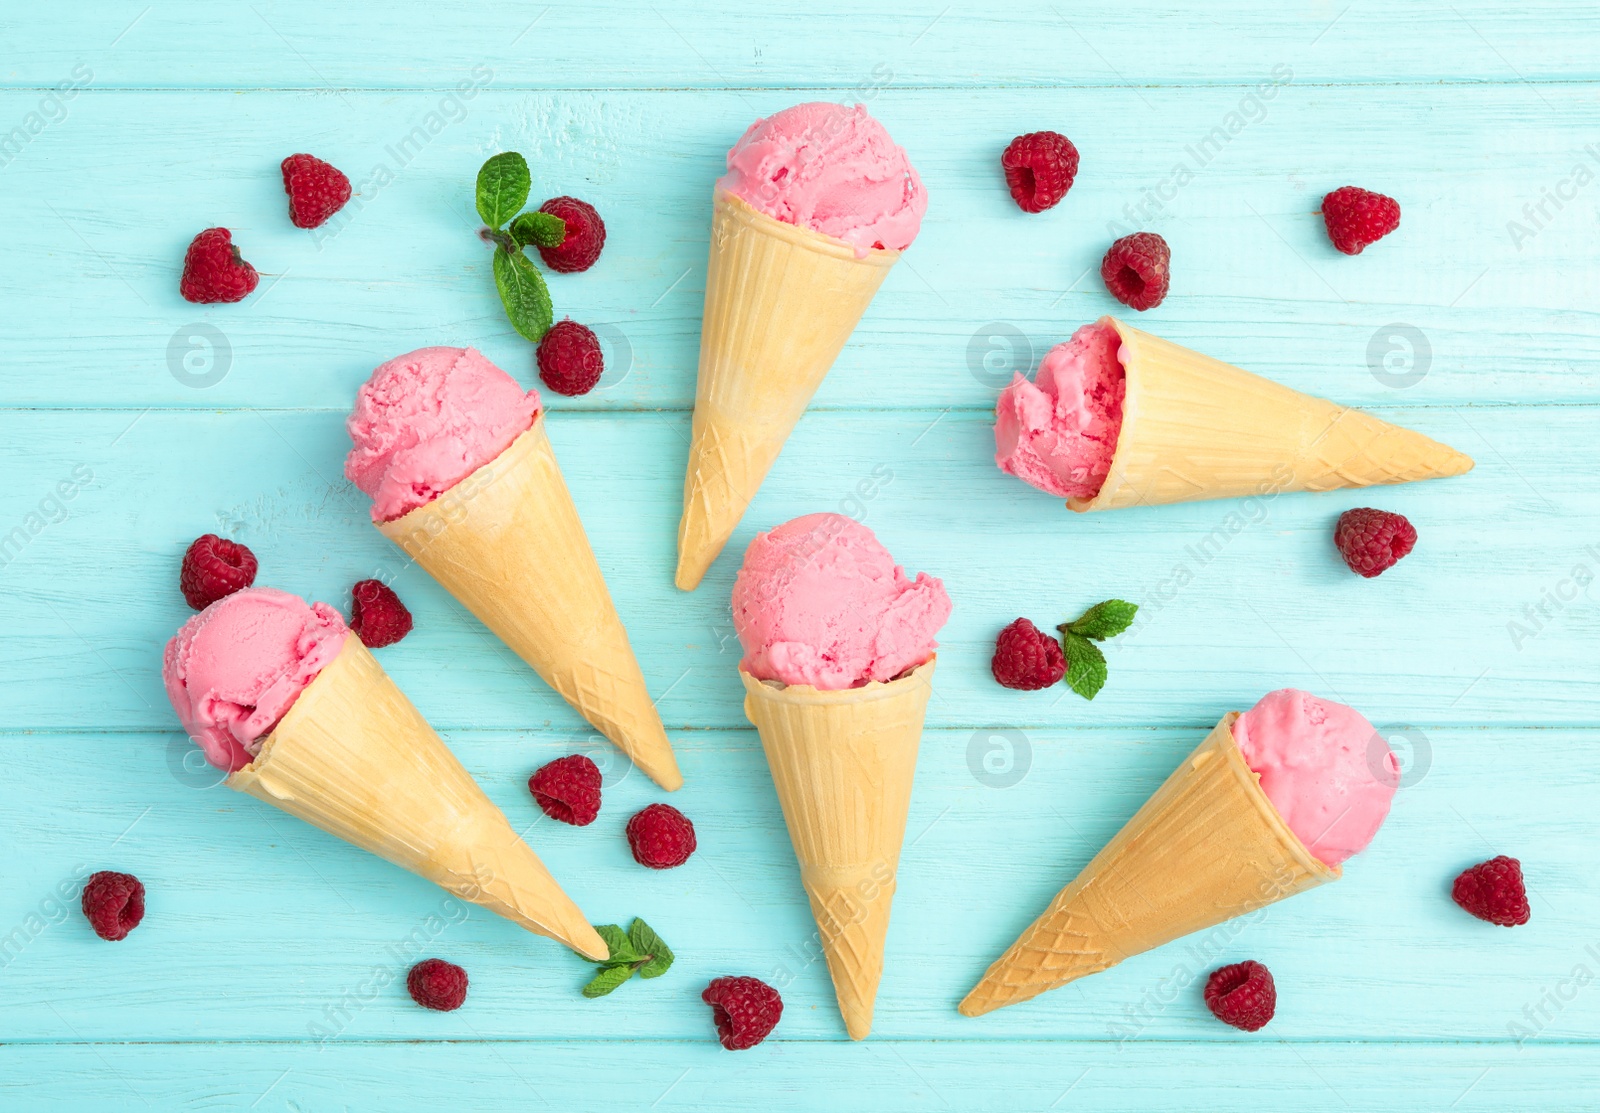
1207,847
1196,428
780,303
354,758
843,763
507,542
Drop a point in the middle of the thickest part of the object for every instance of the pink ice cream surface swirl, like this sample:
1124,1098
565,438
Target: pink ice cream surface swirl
237,667
831,169
428,419
1327,771
1059,432
819,601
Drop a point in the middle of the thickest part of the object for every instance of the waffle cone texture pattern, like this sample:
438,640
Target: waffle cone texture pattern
843,763
1208,846
355,758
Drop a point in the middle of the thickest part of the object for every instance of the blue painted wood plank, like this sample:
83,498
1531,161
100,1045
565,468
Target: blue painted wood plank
1239,598
1457,307
262,927
412,43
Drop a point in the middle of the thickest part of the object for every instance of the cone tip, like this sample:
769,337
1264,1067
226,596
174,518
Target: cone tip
859,1027
971,1005
587,942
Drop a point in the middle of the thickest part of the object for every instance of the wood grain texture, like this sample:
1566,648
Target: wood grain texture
266,973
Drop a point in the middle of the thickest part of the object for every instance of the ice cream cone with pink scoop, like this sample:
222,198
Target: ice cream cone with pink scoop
838,667
1116,417
816,206
463,478
282,697
1269,805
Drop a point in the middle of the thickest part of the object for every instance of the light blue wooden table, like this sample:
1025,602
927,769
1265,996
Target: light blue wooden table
249,984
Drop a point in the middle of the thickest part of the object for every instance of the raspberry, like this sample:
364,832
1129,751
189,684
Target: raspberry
570,361
746,1010
661,837
214,568
1027,658
1358,217
316,190
213,270
1039,169
1242,995
586,235
1372,541
1137,270
436,984
1494,891
114,903
568,789
376,614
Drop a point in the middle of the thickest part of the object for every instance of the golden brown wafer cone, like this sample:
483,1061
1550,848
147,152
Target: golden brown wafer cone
1207,847
780,303
507,542
353,757
1196,428
843,763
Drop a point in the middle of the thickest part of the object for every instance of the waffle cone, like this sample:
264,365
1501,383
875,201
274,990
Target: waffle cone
1207,847
843,763
354,758
1196,428
507,542
780,303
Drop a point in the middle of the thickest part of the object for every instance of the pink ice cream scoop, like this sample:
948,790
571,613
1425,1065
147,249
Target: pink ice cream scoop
831,169
819,601
1327,771
428,419
237,667
1059,432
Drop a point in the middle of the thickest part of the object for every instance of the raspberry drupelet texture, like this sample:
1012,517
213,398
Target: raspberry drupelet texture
1138,270
661,837
1494,891
213,568
745,1010
1242,995
316,190
213,270
568,789
1039,169
1373,541
114,904
586,235
570,360
1357,218
376,614
436,984
1026,658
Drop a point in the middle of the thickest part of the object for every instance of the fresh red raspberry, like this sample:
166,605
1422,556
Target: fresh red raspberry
1027,658
1494,891
215,568
213,270
1372,541
114,903
568,789
1242,995
1039,169
746,1010
661,837
316,190
436,984
570,360
1137,270
376,614
586,235
1358,217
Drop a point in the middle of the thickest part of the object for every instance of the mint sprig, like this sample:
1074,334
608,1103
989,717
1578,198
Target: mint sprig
504,183
1086,664
638,950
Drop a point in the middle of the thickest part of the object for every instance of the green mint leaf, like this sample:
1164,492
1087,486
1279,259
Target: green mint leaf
652,947
1086,665
539,229
1105,620
607,980
618,943
503,185
523,293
